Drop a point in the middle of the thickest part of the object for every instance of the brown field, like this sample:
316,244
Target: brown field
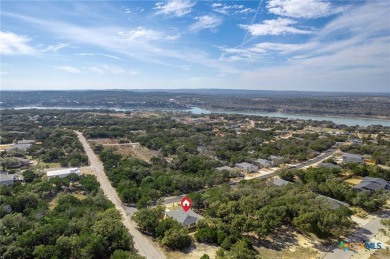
288,244
104,141
354,180
194,252
87,170
138,151
4,147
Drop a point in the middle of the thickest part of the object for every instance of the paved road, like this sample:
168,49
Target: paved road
323,156
365,232
144,246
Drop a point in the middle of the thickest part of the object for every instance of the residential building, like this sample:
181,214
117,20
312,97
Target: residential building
187,219
249,168
333,203
62,173
263,163
23,147
372,184
277,160
26,141
19,162
352,158
7,179
355,141
329,166
277,181
227,168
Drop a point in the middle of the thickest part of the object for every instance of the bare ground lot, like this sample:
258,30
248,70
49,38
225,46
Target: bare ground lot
286,245
137,151
193,252
128,149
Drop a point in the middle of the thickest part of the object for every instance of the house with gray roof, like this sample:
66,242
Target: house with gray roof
277,160
19,162
249,168
372,184
7,179
26,141
227,168
188,219
263,163
277,181
329,166
333,203
23,147
352,158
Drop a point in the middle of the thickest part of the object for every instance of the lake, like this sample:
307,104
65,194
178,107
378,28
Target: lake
350,121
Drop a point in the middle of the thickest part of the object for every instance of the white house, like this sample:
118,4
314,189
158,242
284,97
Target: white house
62,173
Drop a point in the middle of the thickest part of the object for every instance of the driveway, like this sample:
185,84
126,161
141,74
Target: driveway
143,245
366,233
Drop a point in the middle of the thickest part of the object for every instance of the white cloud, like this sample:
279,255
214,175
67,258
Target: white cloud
14,44
302,9
143,34
341,54
100,54
55,48
231,9
108,39
176,8
69,69
113,69
105,68
96,70
278,26
206,22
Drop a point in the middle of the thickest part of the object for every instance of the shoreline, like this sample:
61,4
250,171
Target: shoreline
382,120
375,117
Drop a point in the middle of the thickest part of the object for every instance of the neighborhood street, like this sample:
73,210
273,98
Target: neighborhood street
365,233
315,160
144,246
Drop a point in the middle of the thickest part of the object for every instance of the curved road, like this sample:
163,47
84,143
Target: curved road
144,246
308,163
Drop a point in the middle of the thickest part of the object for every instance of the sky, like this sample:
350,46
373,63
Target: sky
304,45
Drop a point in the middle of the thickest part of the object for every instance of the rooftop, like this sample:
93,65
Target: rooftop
372,184
185,218
333,202
64,171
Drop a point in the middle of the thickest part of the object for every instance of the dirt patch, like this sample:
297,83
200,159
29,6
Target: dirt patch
194,252
87,170
104,141
4,147
354,180
295,252
136,150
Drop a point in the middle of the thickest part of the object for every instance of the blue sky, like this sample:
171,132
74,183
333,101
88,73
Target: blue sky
314,45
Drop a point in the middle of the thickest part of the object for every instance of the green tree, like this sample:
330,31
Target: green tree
29,176
176,239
